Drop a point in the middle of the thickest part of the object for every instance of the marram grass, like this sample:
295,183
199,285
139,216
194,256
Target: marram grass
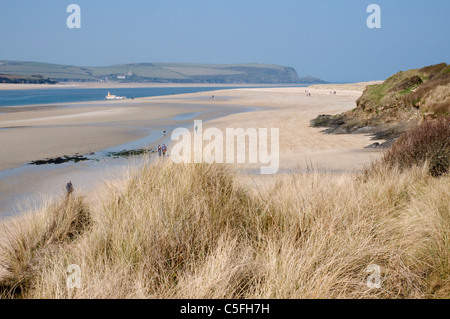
194,231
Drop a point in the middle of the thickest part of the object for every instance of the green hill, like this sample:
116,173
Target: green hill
397,105
161,73
425,89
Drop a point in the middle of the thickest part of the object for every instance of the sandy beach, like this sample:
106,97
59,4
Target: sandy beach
38,132
301,146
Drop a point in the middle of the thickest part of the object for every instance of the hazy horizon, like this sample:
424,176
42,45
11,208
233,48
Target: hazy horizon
327,40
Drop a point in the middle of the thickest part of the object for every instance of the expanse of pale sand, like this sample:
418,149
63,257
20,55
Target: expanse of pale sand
42,132
291,110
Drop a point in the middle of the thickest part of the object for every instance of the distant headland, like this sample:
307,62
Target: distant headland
252,73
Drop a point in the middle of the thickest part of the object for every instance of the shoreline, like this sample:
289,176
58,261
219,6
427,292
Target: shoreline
24,186
114,85
48,97
107,125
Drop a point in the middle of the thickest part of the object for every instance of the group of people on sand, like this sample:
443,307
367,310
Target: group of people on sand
309,94
162,150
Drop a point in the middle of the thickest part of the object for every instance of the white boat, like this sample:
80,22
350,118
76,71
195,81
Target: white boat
114,97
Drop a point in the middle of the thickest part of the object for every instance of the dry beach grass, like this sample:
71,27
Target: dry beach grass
193,231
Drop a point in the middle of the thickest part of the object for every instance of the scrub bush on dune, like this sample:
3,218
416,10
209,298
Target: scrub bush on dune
428,142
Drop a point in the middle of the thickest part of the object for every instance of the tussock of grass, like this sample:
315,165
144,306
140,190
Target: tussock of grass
35,236
438,100
194,231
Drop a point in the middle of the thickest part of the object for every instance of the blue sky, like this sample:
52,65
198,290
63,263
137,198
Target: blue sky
324,38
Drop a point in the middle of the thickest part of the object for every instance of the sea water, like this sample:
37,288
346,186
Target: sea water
73,95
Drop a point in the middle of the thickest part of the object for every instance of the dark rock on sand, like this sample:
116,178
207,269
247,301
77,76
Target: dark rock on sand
60,160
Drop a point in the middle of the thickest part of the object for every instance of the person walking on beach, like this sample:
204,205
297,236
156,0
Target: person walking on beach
164,149
159,150
69,188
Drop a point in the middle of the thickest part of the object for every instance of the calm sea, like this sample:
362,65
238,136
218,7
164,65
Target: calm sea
52,96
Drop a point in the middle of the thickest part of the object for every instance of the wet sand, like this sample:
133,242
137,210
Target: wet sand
39,132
